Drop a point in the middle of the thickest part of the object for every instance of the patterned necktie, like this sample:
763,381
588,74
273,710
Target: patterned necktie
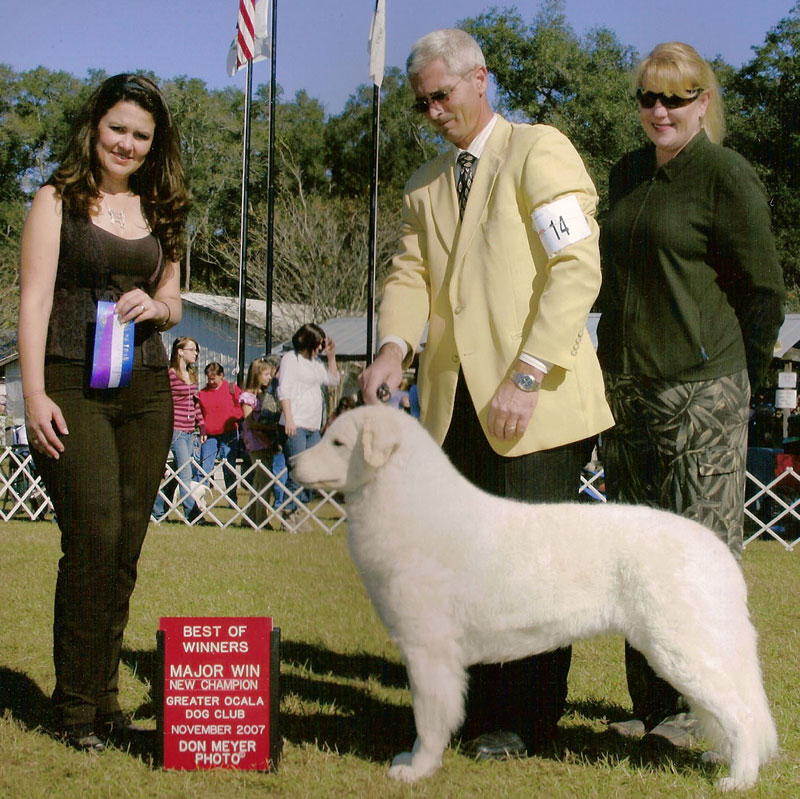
466,163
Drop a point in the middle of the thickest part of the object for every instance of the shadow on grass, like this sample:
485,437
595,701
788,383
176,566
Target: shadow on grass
22,698
352,721
599,748
355,667
25,701
351,716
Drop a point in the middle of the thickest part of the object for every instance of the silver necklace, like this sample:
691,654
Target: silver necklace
116,217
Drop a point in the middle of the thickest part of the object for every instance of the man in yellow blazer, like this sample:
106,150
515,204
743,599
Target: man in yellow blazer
499,258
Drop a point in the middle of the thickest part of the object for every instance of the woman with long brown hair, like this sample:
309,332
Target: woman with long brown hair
99,278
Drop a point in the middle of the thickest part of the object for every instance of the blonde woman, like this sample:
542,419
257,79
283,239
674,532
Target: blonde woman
187,423
692,301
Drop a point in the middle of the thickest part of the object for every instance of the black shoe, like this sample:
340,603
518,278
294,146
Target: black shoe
82,737
500,745
632,728
117,727
676,731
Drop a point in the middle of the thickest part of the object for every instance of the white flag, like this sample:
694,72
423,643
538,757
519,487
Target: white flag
252,40
377,43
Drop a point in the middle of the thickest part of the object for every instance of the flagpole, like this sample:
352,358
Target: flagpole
373,222
269,264
240,347
377,53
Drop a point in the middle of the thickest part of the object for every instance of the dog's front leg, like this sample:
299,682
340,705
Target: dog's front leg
438,685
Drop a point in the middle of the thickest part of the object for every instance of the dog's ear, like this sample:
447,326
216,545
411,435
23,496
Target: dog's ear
379,439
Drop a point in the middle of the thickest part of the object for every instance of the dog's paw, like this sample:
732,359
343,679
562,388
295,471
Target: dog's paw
408,767
406,774
728,784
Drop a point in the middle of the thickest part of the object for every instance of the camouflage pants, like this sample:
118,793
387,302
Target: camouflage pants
681,447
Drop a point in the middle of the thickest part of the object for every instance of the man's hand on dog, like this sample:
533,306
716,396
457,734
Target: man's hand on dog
511,408
385,372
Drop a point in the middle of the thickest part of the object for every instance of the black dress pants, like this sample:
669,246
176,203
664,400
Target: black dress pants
102,487
526,696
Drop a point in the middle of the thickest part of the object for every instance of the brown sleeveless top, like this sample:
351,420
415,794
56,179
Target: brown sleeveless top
95,265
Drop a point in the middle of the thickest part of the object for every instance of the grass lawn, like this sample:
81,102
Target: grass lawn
345,707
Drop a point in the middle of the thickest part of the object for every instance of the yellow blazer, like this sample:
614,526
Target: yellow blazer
489,291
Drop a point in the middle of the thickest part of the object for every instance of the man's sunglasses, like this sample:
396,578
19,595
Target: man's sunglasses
422,104
670,101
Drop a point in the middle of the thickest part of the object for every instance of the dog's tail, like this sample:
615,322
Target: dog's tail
755,712
752,688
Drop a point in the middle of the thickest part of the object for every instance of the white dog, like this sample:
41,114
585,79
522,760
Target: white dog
199,493
461,577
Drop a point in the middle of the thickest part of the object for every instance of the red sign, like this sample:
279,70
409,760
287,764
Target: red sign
219,698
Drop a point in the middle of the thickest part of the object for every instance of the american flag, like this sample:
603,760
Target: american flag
252,35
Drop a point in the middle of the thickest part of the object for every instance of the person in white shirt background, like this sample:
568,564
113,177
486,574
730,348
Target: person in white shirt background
302,375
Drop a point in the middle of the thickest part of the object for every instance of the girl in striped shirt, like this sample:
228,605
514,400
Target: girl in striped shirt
187,419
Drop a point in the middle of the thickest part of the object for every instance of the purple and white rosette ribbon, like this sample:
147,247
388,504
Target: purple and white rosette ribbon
113,349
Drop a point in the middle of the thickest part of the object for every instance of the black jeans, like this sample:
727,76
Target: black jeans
526,696
102,488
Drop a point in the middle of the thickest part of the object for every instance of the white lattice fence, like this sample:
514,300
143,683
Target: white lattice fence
255,503
21,491
772,509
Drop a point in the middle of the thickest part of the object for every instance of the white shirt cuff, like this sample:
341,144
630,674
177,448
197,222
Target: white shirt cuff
536,363
394,340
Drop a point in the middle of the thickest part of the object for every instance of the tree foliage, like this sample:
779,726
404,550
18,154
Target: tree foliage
546,74
766,130
543,73
320,252
405,142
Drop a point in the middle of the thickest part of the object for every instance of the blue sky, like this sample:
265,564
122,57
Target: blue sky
322,44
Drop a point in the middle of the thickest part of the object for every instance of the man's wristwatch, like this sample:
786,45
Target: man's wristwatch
525,382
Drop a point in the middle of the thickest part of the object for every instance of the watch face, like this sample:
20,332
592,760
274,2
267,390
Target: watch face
525,382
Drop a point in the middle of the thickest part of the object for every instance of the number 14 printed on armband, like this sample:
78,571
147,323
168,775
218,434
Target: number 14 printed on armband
560,223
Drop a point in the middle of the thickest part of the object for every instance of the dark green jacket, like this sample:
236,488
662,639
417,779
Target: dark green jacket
692,288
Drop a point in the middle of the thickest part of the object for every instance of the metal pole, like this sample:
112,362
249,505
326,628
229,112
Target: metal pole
373,223
240,347
269,265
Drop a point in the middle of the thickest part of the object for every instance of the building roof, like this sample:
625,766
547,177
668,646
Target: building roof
284,314
788,335
8,346
348,332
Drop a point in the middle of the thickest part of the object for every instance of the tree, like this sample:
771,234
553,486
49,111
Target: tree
406,141
765,128
299,144
546,74
543,73
535,67
33,109
210,124
320,251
